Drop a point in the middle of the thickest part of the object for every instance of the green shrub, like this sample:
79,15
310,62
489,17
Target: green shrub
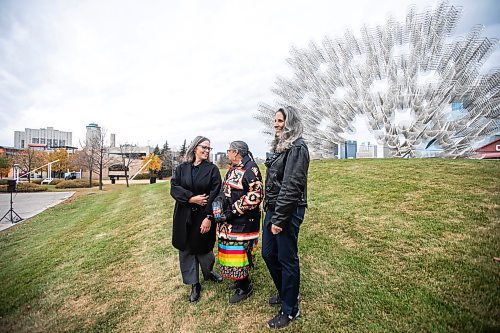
56,181
76,183
37,181
25,187
3,181
141,176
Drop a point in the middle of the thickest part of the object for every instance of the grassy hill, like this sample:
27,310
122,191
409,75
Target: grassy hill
387,245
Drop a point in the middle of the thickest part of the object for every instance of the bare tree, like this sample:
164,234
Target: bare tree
95,155
85,159
128,153
100,153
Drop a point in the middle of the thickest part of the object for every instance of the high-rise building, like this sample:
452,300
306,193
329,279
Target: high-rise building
93,131
367,150
220,157
351,147
49,137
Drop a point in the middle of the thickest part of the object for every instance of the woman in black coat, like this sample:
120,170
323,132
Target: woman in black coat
194,186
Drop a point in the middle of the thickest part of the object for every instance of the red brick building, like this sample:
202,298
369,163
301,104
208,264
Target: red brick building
491,150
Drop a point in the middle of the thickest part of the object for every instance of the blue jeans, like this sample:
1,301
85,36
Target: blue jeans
280,253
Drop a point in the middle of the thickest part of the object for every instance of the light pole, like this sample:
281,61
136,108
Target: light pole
15,172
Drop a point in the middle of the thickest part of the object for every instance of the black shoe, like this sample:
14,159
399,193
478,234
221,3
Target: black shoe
195,292
212,276
232,286
240,295
282,320
275,300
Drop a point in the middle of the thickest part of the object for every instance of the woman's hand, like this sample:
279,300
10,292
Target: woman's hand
275,229
205,225
201,199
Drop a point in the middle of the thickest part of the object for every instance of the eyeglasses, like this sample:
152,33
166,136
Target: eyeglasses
205,147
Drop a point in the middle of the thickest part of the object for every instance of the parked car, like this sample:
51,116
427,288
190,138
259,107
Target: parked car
71,175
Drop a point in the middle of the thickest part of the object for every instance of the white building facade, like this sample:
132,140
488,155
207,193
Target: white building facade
367,150
46,136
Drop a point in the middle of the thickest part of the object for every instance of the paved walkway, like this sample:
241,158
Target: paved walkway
29,204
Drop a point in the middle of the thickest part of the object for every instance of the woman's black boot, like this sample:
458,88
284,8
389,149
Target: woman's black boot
195,292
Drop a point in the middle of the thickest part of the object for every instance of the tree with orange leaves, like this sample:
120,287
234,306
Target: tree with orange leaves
63,160
28,160
154,165
5,165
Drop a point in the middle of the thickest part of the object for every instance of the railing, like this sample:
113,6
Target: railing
142,168
49,172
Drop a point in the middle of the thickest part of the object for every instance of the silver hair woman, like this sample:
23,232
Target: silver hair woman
284,203
242,148
189,156
291,131
239,226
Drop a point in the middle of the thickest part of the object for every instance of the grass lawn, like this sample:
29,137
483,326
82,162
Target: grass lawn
387,246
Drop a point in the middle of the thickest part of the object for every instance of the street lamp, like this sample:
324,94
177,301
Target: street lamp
15,172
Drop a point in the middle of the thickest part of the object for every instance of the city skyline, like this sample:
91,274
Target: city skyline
35,135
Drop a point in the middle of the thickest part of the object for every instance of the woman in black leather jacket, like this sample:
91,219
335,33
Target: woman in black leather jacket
284,204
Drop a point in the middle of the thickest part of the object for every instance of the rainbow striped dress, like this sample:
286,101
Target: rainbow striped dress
236,252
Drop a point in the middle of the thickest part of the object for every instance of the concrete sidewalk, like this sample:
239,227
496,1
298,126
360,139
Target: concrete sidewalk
29,204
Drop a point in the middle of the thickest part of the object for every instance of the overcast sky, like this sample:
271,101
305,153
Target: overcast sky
151,71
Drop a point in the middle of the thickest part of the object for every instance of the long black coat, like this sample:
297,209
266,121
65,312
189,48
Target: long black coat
186,233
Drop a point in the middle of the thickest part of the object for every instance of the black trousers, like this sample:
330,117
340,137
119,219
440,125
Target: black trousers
280,253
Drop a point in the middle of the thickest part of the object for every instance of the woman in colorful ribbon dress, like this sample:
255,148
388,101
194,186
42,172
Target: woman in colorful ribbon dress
238,212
